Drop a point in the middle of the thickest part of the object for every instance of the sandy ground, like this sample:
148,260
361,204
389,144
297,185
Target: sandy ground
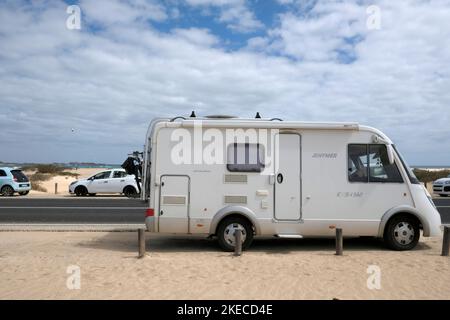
63,182
34,265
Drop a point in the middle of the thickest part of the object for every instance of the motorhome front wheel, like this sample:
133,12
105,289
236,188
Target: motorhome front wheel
402,232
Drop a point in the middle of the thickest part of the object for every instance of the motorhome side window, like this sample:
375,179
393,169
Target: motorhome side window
370,163
357,163
245,157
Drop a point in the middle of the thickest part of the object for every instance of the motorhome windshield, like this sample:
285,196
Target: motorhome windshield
412,177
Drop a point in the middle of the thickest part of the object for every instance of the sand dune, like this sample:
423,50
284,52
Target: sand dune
33,266
63,182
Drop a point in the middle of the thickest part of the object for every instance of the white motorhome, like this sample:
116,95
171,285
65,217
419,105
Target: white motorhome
267,177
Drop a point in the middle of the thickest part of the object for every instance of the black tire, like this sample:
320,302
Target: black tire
225,230
402,232
130,192
81,191
7,191
24,193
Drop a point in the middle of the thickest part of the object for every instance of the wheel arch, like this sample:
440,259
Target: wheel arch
129,186
81,186
404,210
234,211
7,185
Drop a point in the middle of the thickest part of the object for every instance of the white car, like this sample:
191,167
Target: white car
442,186
110,181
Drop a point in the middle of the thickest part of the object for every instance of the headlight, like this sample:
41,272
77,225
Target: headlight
447,182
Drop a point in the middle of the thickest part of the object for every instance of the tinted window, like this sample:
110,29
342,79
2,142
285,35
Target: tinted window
119,174
370,163
357,163
19,176
2,173
245,157
102,175
380,168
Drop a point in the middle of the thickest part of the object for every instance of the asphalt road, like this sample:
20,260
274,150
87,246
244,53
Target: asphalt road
72,210
99,210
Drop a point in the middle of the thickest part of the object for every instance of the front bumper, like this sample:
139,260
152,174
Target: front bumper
72,189
441,189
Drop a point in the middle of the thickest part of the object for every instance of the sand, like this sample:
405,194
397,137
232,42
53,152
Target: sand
33,266
63,182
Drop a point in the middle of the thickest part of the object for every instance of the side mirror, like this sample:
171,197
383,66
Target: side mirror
389,148
390,152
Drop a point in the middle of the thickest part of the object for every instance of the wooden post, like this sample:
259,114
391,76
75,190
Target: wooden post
56,187
446,242
339,242
141,240
238,242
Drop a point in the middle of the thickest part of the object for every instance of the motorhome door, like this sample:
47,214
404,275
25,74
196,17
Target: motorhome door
174,204
288,177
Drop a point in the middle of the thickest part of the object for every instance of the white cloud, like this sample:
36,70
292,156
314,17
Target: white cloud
236,14
109,84
107,12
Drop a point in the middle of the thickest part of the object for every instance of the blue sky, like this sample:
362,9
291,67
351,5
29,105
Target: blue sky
89,94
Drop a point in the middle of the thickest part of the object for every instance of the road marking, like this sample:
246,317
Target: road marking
102,208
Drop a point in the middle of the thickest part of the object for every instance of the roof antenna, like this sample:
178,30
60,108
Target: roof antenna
193,115
258,116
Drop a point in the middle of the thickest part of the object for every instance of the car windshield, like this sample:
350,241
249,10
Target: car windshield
19,176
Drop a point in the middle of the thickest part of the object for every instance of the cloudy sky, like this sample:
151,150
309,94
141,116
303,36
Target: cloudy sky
89,94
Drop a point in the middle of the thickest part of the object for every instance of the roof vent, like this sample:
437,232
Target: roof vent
258,116
192,115
220,116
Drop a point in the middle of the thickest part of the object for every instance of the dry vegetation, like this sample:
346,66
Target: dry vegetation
44,172
429,176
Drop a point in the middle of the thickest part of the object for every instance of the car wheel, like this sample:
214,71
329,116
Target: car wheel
402,233
226,229
130,192
7,191
24,193
81,191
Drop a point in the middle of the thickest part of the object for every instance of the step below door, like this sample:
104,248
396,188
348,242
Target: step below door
174,204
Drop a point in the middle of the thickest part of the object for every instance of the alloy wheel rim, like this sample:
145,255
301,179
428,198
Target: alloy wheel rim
8,191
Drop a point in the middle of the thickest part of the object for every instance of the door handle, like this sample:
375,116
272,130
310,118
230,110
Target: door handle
122,180
280,178
105,181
